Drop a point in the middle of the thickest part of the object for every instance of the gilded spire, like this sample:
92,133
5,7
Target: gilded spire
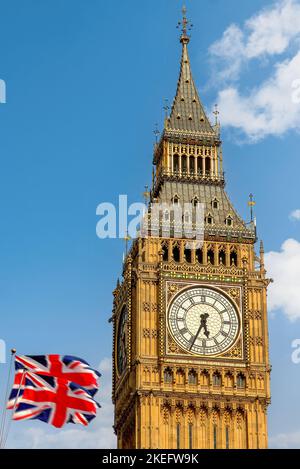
187,113
185,26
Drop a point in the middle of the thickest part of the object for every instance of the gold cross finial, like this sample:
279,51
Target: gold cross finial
184,20
251,204
185,26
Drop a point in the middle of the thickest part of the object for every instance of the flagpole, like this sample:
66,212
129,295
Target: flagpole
4,411
13,409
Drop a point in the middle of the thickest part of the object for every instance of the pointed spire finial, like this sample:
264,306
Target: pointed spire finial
216,113
187,112
127,238
262,257
166,108
156,133
146,194
251,204
185,27
261,247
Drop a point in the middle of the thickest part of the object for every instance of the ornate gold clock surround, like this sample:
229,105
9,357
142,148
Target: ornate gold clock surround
171,289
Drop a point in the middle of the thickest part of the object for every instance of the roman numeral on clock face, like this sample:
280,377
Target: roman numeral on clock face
203,321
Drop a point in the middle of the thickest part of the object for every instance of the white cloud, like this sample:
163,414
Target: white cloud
105,365
269,32
99,434
285,440
272,107
284,268
295,214
272,30
227,54
268,109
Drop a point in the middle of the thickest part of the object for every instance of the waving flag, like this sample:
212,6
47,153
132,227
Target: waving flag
54,400
67,367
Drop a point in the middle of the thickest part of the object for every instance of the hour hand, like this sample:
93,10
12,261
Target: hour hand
203,319
204,324
206,331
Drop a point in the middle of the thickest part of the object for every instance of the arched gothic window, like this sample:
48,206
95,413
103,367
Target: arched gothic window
183,164
233,258
176,163
199,256
210,256
241,381
222,257
207,165
175,199
165,251
217,380
215,203
209,219
229,221
176,254
192,165
192,377
168,376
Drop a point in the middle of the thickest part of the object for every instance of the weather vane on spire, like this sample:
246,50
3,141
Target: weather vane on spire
185,24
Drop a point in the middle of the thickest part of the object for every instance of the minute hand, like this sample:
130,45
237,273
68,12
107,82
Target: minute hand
195,338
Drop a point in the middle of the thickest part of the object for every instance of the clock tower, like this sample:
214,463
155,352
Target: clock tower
190,334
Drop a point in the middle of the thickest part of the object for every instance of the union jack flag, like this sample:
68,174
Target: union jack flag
54,400
73,369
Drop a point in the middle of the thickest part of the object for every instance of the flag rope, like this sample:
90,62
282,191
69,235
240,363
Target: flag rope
4,410
13,410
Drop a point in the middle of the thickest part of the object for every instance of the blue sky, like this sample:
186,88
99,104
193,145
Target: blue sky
85,86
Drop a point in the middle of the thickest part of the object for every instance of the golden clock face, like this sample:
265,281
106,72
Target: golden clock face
121,342
203,321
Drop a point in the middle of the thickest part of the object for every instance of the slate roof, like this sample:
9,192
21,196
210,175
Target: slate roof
187,112
205,194
188,117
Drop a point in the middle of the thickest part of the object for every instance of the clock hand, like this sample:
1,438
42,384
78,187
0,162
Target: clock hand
202,324
195,337
206,331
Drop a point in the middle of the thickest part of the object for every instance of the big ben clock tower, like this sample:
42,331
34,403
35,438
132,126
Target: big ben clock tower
190,335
